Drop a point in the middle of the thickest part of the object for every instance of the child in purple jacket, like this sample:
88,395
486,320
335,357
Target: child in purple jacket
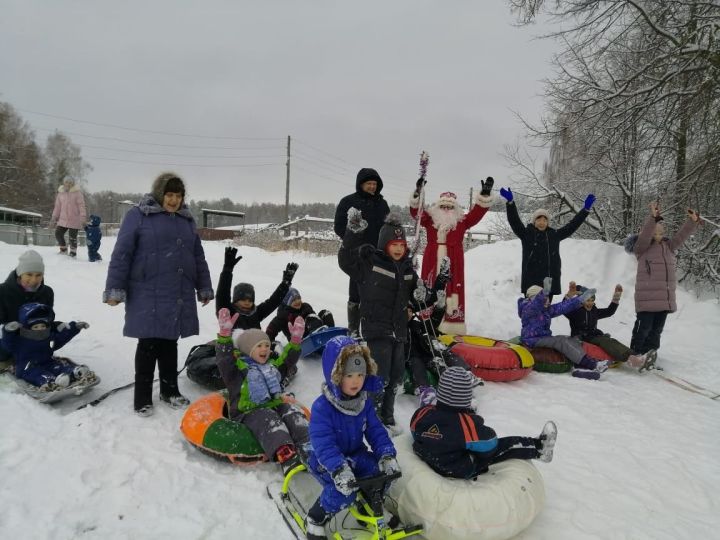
536,314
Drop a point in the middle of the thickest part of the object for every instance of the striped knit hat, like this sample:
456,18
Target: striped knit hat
455,388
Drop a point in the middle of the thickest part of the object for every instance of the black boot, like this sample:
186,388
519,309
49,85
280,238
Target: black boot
167,366
144,373
326,317
315,522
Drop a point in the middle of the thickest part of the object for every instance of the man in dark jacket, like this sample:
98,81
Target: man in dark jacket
24,285
541,243
374,208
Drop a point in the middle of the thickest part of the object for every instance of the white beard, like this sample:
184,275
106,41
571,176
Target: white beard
445,220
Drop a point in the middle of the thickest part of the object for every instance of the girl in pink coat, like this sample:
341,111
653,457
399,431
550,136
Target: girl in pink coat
69,215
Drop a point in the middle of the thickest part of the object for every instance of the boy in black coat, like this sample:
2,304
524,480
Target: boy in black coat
454,440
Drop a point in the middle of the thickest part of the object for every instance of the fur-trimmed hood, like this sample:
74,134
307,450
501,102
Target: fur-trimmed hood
336,353
149,205
159,184
73,188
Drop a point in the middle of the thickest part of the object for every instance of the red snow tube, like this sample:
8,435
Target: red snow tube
551,361
490,359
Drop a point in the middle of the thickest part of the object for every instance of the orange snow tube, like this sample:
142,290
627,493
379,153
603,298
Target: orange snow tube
490,359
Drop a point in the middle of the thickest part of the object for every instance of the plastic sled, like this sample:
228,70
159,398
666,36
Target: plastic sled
315,342
77,388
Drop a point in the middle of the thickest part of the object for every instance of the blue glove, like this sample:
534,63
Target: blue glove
589,201
506,194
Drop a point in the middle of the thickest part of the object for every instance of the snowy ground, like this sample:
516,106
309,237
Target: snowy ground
635,459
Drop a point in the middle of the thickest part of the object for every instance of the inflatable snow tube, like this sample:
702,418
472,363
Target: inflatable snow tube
490,359
551,361
206,426
498,505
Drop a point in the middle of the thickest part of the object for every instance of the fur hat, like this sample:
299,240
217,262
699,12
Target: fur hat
448,197
30,261
533,291
247,340
392,230
455,388
291,296
348,352
167,182
540,212
243,291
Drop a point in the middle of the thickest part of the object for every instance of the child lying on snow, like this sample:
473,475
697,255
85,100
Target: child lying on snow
255,394
583,324
536,314
33,339
342,417
454,441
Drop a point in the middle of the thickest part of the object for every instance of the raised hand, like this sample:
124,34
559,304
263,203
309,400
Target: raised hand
444,276
617,294
692,214
420,292
355,222
655,209
226,322
419,185
572,290
82,325
589,201
506,194
289,272
230,259
547,285
487,186
297,329
441,299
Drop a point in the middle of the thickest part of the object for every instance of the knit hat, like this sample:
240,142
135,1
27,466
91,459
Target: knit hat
30,261
247,340
392,230
34,313
581,289
455,388
447,198
167,182
243,291
540,212
533,291
291,296
355,364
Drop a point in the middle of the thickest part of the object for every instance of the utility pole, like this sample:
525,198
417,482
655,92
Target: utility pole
287,183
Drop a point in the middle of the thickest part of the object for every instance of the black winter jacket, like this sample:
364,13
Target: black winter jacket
12,296
583,323
419,335
374,209
541,249
285,315
385,288
259,312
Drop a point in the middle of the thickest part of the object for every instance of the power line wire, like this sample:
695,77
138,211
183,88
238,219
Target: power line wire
227,166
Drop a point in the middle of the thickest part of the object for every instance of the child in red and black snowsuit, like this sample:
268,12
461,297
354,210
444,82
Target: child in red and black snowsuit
454,440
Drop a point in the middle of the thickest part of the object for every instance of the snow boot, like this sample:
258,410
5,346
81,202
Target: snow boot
63,250
586,374
177,401
353,315
547,437
62,380
327,318
392,427
145,411
427,395
315,522
80,372
288,458
649,359
636,360
476,381
72,253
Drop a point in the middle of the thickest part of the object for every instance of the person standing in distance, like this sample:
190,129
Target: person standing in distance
374,208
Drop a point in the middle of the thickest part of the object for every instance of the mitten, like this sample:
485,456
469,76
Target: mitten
589,201
547,285
587,294
388,464
355,222
366,251
506,194
441,299
289,272
297,329
230,259
12,326
487,186
82,325
419,185
572,290
617,294
420,292
443,277
226,322
344,480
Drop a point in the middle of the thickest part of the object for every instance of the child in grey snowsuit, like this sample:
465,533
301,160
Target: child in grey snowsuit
536,313
256,397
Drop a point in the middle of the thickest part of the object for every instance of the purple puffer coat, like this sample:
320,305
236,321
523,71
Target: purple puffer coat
536,317
156,266
656,278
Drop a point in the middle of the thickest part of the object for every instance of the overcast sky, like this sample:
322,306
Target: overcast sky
212,89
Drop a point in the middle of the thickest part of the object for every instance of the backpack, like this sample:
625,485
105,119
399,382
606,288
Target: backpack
202,368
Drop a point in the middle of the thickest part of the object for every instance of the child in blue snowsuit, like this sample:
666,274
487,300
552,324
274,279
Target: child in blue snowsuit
536,314
33,339
340,421
93,234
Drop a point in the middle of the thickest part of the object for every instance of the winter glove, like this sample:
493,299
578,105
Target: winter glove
344,480
418,186
12,326
226,322
230,259
443,277
82,325
617,294
547,285
572,290
506,194
388,464
366,251
487,186
587,294
297,329
420,293
589,201
355,222
441,299
289,272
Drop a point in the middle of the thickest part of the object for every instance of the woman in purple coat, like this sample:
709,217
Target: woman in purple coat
156,268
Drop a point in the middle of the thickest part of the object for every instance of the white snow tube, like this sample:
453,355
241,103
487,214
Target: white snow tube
499,505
